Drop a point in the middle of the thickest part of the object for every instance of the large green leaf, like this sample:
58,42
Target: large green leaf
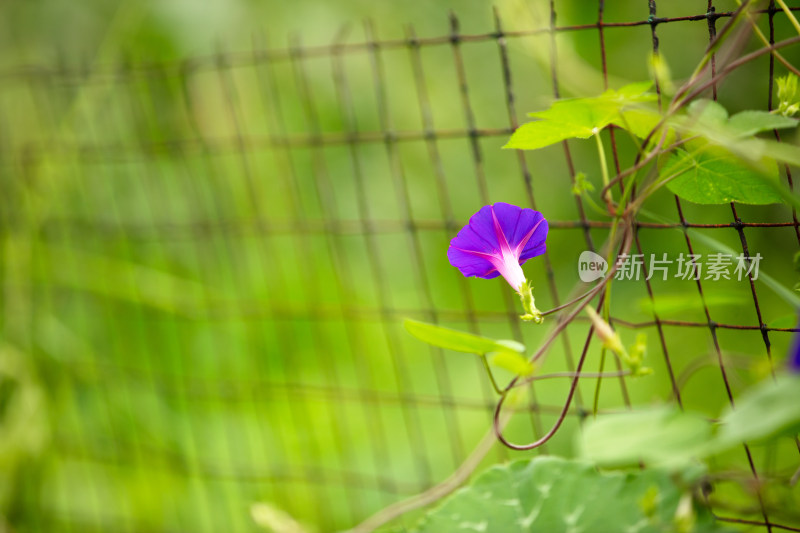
578,117
749,123
660,436
553,495
770,408
458,340
710,175
710,118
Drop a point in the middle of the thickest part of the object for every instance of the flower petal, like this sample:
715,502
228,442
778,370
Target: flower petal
794,354
524,227
471,264
498,239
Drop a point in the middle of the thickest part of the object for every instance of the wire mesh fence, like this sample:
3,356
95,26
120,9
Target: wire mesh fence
206,264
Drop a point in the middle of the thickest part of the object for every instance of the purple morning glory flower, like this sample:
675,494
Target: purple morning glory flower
498,239
794,354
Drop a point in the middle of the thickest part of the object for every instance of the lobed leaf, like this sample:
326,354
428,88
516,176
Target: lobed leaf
553,495
711,175
579,118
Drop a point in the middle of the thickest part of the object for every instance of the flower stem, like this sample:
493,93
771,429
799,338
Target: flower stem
601,152
497,389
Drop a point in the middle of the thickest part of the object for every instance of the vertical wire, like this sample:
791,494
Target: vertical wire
15,314
323,508
30,499
480,174
365,373
410,410
511,109
443,379
587,234
14,220
770,86
80,122
737,222
227,194
271,102
446,209
207,272
776,133
618,168
711,324
150,188
571,166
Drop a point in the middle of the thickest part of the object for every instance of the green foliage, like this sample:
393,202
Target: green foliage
709,175
728,164
749,123
459,341
513,362
557,495
506,354
578,117
710,119
669,437
582,184
768,409
659,436
788,104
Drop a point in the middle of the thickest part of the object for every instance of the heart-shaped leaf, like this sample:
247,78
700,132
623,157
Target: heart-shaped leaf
553,495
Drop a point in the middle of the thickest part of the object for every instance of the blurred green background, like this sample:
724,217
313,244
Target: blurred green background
209,242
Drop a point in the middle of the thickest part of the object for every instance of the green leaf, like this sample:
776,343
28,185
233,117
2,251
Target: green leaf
710,175
459,341
533,135
661,436
641,121
634,92
708,112
577,117
782,151
514,362
553,495
769,408
749,123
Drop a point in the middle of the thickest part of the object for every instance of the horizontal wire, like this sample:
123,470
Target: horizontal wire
88,152
744,521
57,227
111,74
257,310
